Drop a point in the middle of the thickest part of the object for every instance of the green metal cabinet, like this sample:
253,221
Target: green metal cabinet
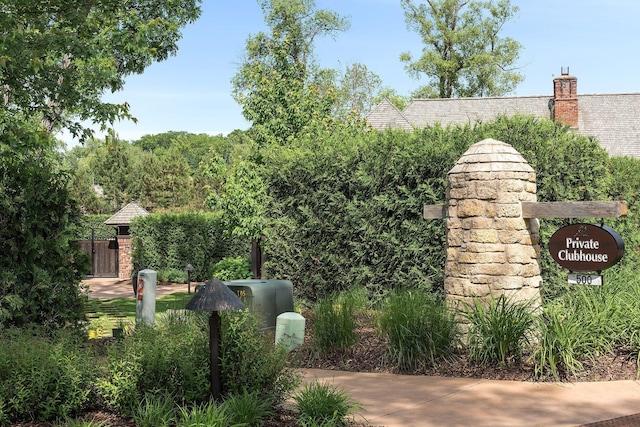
266,298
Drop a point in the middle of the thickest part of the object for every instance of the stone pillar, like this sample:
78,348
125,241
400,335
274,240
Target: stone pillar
125,263
491,248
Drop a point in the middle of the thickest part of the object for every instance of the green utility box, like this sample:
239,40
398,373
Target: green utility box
267,298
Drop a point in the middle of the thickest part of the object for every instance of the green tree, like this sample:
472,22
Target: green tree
357,91
463,56
58,58
118,169
283,93
40,267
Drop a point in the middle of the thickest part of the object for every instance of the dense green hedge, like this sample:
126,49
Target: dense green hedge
171,241
347,208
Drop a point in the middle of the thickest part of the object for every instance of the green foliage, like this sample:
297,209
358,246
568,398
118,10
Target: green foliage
241,199
250,362
42,379
171,241
463,54
59,59
334,323
499,329
40,266
323,404
587,322
282,92
421,329
171,359
208,414
232,268
247,409
172,275
558,348
347,211
155,411
95,223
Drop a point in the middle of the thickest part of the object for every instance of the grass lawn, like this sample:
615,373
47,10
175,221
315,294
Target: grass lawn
105,314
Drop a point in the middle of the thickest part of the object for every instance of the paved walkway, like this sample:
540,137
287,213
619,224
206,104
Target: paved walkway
421,401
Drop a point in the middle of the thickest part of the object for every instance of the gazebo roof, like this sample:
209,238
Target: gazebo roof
126,214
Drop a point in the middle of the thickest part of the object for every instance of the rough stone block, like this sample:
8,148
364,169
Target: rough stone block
508,210
483,236
471,207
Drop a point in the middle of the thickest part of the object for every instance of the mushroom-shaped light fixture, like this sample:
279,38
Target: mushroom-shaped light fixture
213,297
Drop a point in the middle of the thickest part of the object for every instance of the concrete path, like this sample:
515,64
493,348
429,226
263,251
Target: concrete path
421,401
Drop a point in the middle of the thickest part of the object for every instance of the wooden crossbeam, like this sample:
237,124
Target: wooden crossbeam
574,209
615,209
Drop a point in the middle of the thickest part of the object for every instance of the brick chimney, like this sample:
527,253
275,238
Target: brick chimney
565,99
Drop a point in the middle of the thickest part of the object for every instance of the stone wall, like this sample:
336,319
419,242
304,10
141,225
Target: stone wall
491,248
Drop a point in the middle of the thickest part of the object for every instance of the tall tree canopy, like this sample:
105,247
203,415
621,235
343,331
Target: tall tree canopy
281,89
57,58
463,56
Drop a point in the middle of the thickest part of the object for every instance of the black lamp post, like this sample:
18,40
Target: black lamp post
215,296
189,268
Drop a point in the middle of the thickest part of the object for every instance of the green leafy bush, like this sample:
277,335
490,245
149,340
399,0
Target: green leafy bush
40,265
420,328
323,404
499,329
172,275
232,268
42,379
170,359
251,362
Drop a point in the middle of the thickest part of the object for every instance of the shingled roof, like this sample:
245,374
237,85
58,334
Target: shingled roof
126,214
613,119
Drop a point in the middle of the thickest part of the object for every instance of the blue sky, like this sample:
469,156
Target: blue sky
598,39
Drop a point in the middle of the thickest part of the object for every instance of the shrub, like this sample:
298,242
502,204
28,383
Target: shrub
40,266
334,323
420,329
171,359
499,329
42,379
172,275
251,362
321,403
232,268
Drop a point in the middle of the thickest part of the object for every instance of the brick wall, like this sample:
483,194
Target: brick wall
125,263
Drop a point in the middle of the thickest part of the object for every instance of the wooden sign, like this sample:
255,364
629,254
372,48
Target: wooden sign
586,247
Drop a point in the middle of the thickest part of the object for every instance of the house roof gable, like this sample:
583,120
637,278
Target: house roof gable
386,115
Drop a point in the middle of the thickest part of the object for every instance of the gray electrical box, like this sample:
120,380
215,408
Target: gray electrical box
267,298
